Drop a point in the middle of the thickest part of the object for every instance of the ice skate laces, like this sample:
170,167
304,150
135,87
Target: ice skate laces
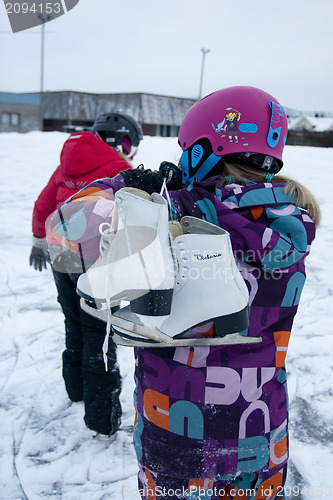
175,228
164,189
107,234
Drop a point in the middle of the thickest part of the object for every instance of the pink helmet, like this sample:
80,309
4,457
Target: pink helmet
245,122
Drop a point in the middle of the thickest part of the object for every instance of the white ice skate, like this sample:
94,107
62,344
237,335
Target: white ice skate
208,287
136,262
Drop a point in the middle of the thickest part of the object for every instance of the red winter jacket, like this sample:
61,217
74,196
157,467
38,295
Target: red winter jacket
83,159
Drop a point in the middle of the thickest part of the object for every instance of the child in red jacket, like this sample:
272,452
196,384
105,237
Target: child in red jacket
85,157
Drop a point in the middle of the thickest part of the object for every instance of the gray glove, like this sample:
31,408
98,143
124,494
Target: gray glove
38,255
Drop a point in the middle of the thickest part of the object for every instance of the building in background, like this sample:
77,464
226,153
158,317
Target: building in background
19,112
311,130
158,115
67,110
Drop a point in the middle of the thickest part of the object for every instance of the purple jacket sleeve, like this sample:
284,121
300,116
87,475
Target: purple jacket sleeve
75,224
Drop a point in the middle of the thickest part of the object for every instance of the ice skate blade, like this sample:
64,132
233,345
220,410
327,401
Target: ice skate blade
153,334
230,339
140,330
131,327
101,314
127,329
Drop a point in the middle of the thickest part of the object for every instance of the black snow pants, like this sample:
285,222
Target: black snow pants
84,372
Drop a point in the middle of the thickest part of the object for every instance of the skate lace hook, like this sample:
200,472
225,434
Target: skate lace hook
165,189
101,227
105,229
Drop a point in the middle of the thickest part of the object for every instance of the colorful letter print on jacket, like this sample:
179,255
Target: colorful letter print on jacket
222,411
216,412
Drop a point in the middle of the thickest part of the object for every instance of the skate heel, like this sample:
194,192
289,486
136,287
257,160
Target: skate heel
153,303
231,323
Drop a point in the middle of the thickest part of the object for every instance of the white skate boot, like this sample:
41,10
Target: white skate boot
208,288
136,262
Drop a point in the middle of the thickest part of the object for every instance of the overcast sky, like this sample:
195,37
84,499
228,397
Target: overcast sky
105,46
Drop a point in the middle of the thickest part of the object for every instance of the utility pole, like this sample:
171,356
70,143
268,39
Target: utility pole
44,20
204,52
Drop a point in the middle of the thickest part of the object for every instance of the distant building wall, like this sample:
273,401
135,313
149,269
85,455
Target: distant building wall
19,112
157,114
149,129
309,138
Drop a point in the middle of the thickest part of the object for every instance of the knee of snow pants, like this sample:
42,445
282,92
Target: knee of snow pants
70,304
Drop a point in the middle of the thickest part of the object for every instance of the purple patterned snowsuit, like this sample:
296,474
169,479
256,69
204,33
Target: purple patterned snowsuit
213,419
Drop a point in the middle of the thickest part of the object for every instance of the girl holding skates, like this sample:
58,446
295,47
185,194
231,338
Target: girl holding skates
212,420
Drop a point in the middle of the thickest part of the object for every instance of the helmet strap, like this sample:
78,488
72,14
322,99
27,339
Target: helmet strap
275,126
269,177
256,160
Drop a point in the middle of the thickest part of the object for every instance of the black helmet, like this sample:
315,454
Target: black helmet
119,130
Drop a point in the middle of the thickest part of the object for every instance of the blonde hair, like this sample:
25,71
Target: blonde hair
245,174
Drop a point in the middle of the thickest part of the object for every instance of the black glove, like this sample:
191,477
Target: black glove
37,258
172,174
148,180
151,180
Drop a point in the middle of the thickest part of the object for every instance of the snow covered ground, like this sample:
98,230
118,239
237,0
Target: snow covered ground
45,449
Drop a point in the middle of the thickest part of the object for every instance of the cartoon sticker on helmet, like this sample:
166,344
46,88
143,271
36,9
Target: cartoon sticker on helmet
219,126
229,124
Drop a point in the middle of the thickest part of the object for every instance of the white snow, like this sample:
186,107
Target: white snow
45,449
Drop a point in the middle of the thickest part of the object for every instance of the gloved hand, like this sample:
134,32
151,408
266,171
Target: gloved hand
38,255
151,180
172,174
